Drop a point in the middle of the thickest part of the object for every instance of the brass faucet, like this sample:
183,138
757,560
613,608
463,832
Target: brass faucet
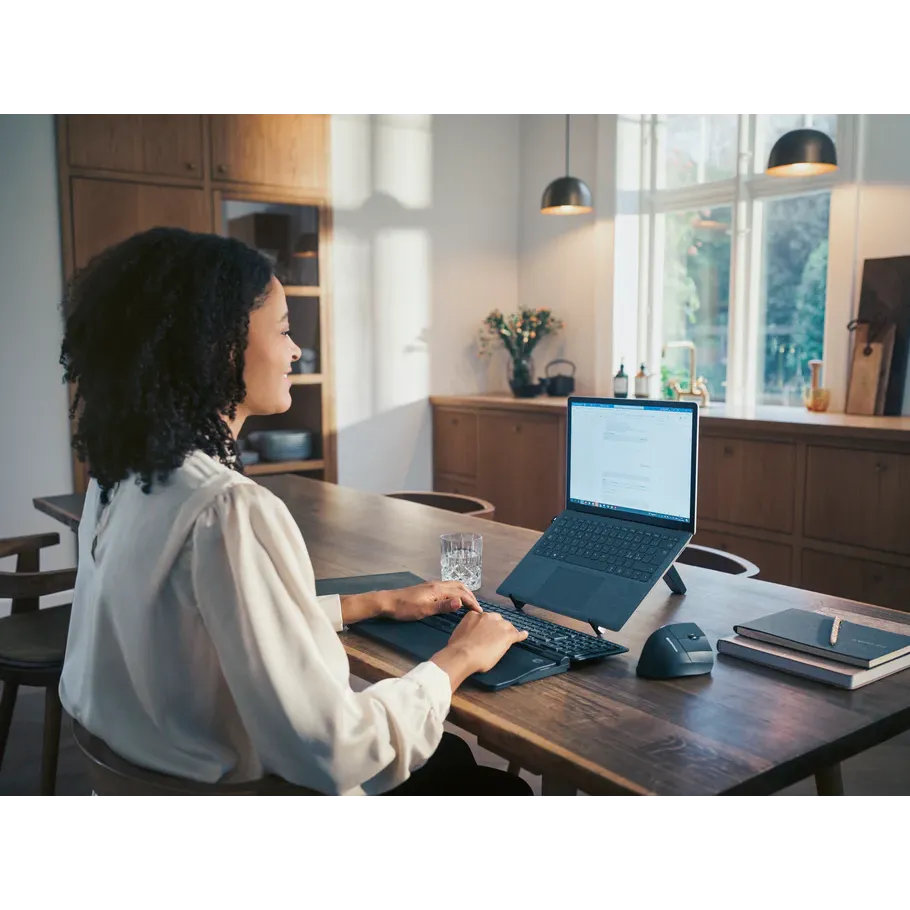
698,388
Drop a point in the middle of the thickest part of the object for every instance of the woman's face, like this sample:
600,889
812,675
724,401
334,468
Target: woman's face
268,356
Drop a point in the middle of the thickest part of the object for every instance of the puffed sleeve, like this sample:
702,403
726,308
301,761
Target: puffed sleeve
285,665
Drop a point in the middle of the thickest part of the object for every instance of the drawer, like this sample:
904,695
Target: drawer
746,482
455,442
857,579
774,560
858,497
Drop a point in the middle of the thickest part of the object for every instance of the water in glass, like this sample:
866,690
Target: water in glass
462,559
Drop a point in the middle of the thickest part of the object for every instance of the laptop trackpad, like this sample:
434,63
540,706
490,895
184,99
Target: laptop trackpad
567,585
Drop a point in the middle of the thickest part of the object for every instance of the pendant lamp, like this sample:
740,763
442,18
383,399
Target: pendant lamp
566,195
802,153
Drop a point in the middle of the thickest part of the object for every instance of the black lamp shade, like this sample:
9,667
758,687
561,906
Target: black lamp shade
802,153
566,196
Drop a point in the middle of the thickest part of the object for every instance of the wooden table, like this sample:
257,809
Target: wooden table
743,729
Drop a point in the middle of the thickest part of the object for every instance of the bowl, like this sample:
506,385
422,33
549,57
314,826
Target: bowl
282,445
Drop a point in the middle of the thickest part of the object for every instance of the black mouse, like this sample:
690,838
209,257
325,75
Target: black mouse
680,649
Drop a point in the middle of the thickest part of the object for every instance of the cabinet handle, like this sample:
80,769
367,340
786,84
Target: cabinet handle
728,451
454,421
880,467
190,166
517,427
222,169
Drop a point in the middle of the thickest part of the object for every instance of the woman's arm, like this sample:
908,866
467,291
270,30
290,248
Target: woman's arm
287,669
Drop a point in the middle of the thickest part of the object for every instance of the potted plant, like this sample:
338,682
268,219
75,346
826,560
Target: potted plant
519,334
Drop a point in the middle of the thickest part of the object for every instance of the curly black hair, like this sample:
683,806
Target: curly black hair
156,328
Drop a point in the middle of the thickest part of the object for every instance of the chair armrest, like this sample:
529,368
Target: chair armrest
14,546
17,585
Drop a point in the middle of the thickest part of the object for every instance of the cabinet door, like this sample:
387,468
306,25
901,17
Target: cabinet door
745,482
856,579
521,468
107,211
287,150
542,470
498,464
454,442
858,497
168,145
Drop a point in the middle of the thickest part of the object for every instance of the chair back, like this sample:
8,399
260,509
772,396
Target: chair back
112,775
717,560
451,502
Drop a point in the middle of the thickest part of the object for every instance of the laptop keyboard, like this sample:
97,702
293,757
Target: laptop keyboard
622,551
545,637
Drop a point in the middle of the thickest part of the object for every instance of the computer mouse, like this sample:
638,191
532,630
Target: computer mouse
680,649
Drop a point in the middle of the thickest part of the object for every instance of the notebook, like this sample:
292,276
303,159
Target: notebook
807,665
858,644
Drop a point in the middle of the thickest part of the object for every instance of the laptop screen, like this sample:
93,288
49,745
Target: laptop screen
634,458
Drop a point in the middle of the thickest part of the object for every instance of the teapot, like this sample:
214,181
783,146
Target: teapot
561,385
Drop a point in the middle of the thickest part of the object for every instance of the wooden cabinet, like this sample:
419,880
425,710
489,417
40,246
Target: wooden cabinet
520,467
122,174
857,579
515,460
269,150
455,442
816,501
859,497
107,211
168,145
747,482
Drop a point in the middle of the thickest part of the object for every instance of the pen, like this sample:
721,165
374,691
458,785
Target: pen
835,628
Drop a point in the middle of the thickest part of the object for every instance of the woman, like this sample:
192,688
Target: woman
197,645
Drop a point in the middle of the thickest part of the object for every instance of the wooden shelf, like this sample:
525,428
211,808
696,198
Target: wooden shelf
305,378
299,290
283,467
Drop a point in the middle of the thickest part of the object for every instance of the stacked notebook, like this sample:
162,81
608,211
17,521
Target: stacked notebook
800,641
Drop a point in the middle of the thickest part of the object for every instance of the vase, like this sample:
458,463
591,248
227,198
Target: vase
523,378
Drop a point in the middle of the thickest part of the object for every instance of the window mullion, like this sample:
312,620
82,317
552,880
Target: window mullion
740,357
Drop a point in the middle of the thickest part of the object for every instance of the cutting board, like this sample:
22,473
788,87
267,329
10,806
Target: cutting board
867,372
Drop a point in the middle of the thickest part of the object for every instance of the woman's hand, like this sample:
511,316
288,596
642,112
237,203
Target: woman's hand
408,604
477,645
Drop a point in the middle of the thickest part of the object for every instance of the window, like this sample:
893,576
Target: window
737,260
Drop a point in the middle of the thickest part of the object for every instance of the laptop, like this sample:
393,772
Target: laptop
631,467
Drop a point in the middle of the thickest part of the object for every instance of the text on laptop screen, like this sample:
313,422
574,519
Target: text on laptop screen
634,458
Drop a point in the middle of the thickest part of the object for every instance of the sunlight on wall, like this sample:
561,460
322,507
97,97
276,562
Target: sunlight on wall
401,282
404,158
351,160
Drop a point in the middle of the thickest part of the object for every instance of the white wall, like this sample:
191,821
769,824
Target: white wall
558,253
425,245
34,446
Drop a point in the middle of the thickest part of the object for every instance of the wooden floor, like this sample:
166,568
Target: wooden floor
882,771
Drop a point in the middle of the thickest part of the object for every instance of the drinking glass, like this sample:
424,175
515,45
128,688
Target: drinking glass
461,557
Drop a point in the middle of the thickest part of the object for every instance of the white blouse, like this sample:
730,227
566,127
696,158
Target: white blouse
198,647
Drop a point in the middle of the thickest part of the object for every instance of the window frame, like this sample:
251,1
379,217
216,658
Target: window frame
746,193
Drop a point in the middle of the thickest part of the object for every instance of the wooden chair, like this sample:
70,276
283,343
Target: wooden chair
33,642
718,560
111,775
451,502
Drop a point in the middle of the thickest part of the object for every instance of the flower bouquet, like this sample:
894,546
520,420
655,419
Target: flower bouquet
519,333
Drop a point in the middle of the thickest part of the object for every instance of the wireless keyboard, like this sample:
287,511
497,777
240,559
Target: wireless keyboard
547,637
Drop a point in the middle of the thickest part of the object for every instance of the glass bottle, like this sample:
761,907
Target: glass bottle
621,383
641,383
